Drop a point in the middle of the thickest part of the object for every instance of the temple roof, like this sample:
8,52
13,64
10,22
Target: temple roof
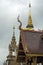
32,41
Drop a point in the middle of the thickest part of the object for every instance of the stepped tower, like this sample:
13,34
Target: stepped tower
11,58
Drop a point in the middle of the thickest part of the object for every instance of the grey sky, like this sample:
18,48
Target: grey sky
9,10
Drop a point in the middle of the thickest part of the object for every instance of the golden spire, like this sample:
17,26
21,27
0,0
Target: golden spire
29,25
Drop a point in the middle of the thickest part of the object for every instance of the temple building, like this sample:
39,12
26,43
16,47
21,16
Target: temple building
30,48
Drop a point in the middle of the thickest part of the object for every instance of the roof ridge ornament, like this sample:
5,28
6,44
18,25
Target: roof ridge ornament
19,22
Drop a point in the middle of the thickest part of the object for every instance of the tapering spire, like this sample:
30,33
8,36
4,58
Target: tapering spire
13,31
13,37
29,25
12,46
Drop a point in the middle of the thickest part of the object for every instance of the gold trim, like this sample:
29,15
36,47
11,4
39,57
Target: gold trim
31,55
26,28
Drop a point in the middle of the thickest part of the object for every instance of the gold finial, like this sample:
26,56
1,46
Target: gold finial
29,5
29,25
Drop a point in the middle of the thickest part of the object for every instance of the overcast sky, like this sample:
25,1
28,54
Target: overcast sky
9,10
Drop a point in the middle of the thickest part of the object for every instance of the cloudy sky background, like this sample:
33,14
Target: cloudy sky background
9,10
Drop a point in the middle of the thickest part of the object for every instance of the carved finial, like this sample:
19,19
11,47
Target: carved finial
19,22
29,4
